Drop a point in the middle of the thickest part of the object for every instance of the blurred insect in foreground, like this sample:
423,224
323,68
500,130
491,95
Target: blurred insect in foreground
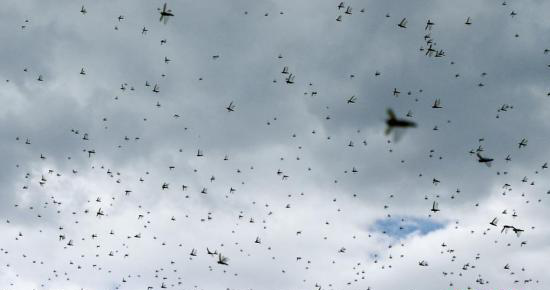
165,13
397,125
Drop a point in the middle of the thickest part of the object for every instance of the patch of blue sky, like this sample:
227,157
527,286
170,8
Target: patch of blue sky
402,227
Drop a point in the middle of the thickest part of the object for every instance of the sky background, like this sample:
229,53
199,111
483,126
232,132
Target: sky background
280,167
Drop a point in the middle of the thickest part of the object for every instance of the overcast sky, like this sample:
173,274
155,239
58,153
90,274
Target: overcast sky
104,114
